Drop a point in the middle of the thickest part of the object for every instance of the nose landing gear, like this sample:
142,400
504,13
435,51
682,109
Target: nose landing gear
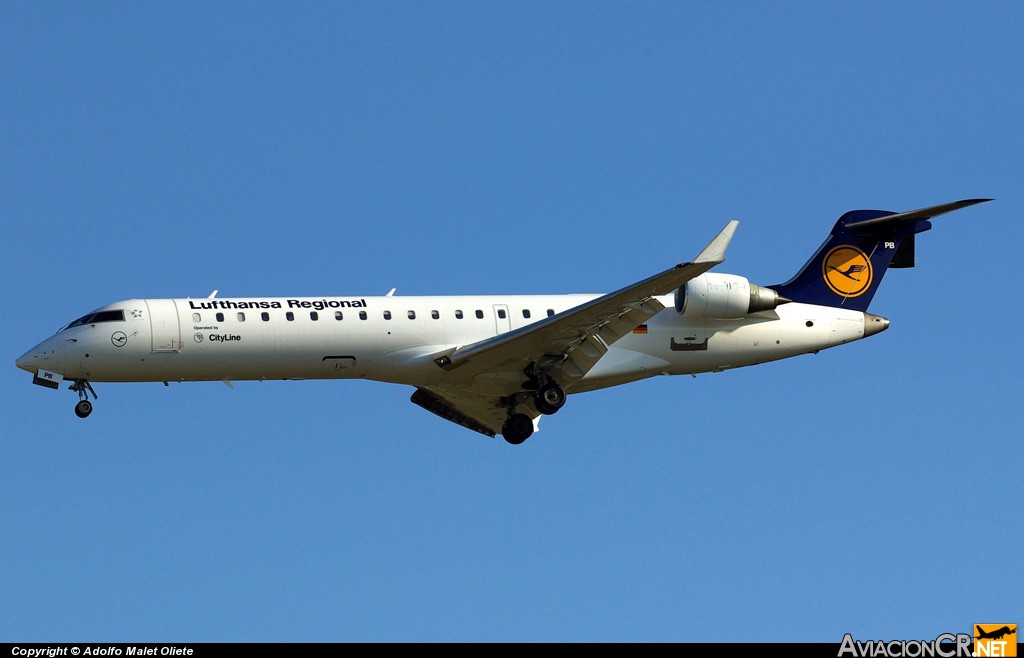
83,408
83,388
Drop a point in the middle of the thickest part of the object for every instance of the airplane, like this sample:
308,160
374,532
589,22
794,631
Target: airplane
996,634
498,364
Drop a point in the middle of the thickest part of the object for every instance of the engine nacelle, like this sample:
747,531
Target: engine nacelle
724,297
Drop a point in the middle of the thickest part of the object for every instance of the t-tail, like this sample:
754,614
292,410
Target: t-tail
846,270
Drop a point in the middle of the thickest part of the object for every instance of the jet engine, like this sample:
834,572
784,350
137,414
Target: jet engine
724,297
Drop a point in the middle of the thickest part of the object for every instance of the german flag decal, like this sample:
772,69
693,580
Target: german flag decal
642,329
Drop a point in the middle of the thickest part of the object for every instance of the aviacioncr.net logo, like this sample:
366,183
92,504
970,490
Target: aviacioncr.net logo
995,640
847,271
946,645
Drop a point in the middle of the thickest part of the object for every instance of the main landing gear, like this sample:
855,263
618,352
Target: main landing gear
517,428
83,388
548,398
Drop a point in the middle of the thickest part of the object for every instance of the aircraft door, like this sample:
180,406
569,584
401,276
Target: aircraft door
163,318
502,321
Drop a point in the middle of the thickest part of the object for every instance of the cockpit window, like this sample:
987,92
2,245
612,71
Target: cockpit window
96,318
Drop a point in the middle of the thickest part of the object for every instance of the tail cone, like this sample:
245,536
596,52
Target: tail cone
874,324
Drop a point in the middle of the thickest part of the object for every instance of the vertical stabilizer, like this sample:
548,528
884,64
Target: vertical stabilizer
848,268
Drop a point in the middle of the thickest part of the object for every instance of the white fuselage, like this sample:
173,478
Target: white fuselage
394,339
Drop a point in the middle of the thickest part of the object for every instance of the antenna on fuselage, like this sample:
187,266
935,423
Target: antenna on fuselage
391,292
212,294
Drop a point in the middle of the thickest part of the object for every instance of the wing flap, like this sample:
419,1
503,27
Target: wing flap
627,319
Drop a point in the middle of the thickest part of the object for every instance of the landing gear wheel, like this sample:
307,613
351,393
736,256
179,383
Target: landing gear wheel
83,408
517,428
549,399
83,388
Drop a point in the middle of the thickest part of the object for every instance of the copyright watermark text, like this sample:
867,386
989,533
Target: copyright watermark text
101,650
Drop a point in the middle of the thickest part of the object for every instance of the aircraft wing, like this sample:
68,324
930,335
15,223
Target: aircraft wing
479,411
565,346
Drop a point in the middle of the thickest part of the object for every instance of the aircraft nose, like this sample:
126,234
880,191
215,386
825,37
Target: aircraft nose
45,355
24,361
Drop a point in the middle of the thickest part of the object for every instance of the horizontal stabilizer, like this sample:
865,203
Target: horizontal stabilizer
913,215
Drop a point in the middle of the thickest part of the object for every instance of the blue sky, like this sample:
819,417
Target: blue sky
262,149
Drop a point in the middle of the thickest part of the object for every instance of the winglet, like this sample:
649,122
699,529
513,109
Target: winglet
715,251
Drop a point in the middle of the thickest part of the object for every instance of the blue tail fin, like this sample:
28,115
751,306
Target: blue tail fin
846,270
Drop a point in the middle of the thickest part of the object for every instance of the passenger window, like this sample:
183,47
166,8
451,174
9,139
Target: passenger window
265,316
220,317
196,317
551,312
313,315
337,315
412,315
362,315
241,317
289,316
526,312
501,313
479,314
435,315
387,315
458,315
